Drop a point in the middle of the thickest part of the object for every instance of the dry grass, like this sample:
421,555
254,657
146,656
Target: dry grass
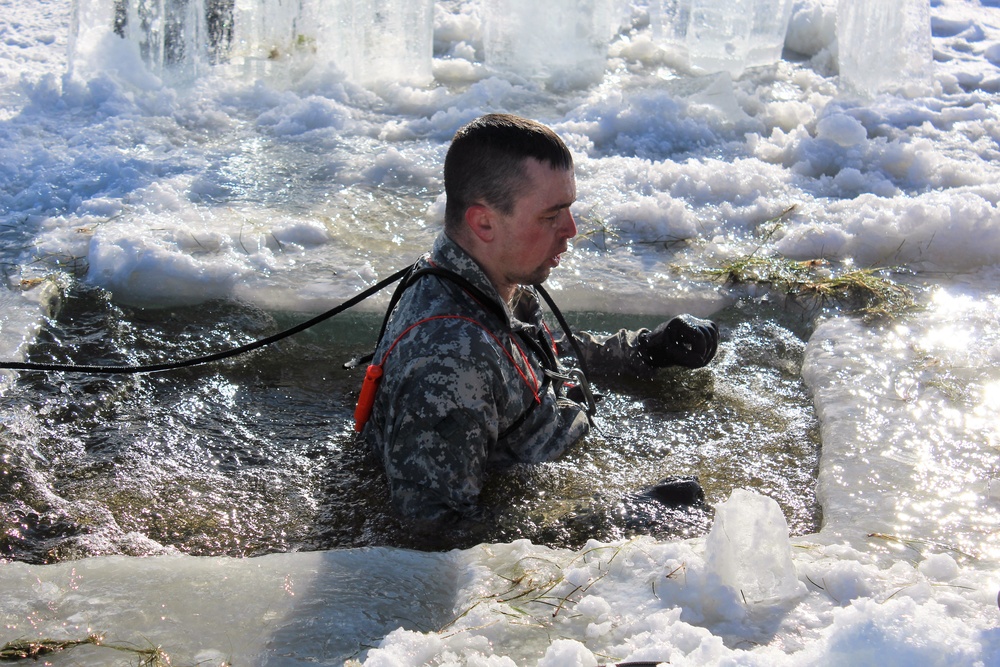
869,292
33,649
533,583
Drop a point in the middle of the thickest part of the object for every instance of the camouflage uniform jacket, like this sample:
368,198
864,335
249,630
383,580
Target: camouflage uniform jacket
463,389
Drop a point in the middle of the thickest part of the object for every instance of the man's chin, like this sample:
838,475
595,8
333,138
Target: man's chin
538,277
541,276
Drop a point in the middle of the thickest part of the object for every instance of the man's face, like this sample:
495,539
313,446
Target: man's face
531,239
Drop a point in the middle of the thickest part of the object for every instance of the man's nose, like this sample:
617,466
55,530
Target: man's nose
569,225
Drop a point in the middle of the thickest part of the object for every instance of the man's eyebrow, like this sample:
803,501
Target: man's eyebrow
558,207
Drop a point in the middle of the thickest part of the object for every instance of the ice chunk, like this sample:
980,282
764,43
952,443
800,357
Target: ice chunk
269,31
368,40
179,35
884,46
767,31
90,20
567,653
562,41
722,36
22,314
718,35
669,20
376,42
841,129
748,548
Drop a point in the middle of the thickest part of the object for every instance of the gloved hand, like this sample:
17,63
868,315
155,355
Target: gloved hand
683,341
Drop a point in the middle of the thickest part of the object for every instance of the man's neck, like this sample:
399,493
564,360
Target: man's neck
504,290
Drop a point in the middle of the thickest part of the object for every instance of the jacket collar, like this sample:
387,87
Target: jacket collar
449,255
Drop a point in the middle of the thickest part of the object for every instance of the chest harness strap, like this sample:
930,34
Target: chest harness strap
544,352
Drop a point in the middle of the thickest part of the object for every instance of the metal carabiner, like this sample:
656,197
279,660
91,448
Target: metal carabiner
588,393
577,377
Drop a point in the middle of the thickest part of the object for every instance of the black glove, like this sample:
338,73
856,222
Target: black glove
683,341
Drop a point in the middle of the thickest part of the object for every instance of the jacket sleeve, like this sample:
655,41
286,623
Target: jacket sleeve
615,354
438,436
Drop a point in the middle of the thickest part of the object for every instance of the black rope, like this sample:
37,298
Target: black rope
565,327
409,279
197,361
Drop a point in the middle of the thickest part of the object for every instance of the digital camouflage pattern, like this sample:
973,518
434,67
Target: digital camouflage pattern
462,390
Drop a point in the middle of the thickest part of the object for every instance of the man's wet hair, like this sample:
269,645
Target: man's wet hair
485,163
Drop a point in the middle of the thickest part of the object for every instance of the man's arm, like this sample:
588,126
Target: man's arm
615,354
685,341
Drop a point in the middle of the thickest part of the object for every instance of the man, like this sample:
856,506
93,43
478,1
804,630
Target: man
470,376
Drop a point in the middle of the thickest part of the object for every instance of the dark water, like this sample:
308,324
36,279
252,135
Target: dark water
256,454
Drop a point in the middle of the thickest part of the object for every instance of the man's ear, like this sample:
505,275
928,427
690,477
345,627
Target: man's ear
481,221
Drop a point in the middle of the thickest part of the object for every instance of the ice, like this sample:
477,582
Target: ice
277,609
722,36
564,42
370,42
841,129
270,30
375,42
768,30
869,39
748,548
669,21
23,311
567,653
718,35
173,33
940,567
932,460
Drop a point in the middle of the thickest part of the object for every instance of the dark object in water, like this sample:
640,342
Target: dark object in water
677,492
674,507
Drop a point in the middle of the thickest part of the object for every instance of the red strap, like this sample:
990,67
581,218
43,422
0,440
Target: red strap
374,373
555,348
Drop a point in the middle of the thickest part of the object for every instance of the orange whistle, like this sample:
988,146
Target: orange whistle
367,398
